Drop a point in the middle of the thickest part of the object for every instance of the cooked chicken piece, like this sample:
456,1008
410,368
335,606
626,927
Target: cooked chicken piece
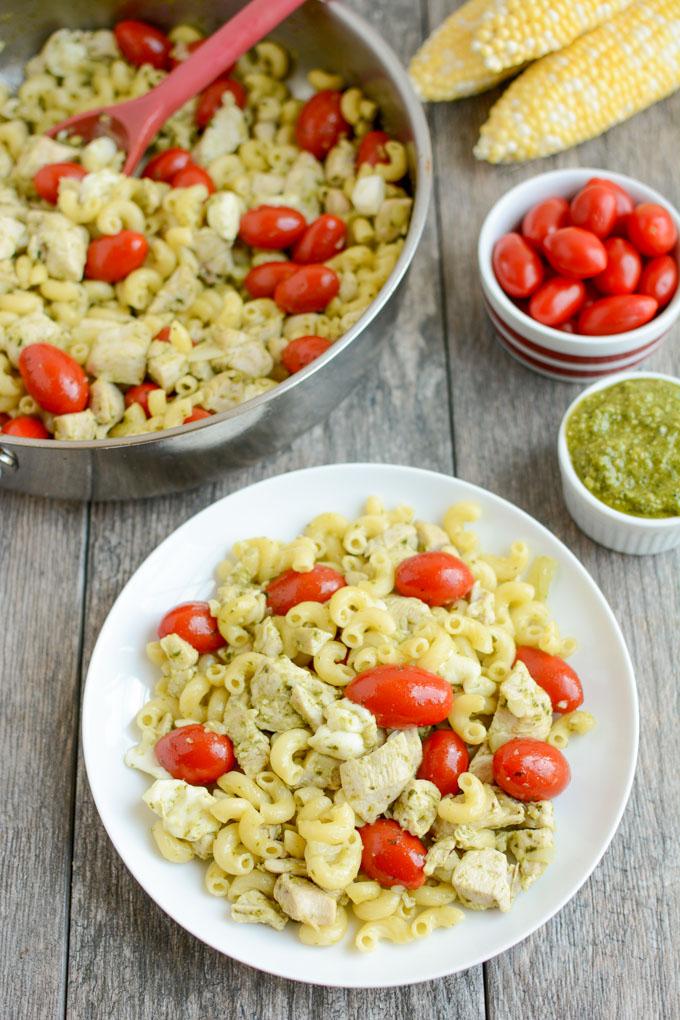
524,709
253,907
533,849
407,613
225,132
177,294
13,236
59,244
106,402
251,746
350,730
399,541
242,352
539,814
431,536
311,697
183,809
267,640
442,859
79,425
118,354
38,151
29,329
320,770
270,691
371,783
303,901
416,806
482,763
483,879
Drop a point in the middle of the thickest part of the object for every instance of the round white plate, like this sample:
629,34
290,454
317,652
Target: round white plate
181,568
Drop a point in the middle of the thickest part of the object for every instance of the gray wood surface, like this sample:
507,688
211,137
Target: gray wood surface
78,937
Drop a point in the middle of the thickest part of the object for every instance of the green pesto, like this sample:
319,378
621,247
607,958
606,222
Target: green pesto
624,443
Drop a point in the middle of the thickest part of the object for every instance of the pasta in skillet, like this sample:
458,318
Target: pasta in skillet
349,728
261,229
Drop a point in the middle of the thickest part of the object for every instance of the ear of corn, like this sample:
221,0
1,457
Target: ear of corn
513,32
445,67
602,78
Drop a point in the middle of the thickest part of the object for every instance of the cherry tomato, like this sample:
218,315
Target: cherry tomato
400,696
575,252
195,755
272,226
594,208
545,218
651,229
4,418
391,855
210,100
195,624
557,300
115,256
46,181
321,123
372,148
530,769
164,335
302,351
311,289
165,165
25,427
263,280
436,578
624,202
292,587
660,279
555,676
445,757
54,379
322,239
518,268
617,314
141,43
622,272
192,175
198,414
140,395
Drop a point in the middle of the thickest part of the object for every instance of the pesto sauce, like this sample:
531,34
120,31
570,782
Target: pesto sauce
624,443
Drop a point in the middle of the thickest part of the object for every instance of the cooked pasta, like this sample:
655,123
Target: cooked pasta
311,769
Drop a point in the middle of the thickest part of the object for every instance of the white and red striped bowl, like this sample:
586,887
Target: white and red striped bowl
548,351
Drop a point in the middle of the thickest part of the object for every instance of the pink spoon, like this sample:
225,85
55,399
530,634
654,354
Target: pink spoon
133,124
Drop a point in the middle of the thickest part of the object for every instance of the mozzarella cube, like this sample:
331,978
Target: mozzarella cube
368,194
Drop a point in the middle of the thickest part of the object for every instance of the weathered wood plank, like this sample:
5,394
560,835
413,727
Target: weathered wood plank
154,969
505,425
41,572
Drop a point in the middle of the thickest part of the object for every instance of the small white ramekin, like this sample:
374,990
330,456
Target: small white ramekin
548,351
638,536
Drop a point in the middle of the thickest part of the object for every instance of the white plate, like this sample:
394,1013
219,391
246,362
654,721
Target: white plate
181,568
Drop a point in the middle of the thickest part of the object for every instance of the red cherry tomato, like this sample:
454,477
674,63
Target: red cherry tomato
302,351
545,218
651,229
518,268
272,226
192,175
165,165
4,418
143,44
594,209
530,769
292,587
436,578
311,289
195,755
660,279
198,414
622,272
617,314
575,252
624,203
557,300
210,100
54,379
391,855
164,335
25,427
555,676
401,696
195,624
322,239
372,148
46,181
140,395
321,123
445,757
263,280
115,256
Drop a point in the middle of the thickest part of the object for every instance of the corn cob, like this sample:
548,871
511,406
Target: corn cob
601,79
514,32
445,66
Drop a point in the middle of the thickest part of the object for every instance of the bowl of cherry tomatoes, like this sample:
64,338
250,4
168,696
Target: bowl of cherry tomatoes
579,272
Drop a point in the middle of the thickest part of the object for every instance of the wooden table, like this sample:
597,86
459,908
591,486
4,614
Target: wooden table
78,936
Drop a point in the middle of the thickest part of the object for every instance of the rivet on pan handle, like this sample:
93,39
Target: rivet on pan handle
8,461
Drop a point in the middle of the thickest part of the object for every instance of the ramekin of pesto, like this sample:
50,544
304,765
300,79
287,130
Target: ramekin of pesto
624,444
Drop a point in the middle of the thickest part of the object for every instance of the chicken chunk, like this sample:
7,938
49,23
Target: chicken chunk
368,194
524,709
431,536
59,244
244,353
350,730
30,329
442,859
416,806
399,541
106,402
539,814
320,770
267,640
184,810
311,697
372,782
80,425
13,236
167,366
215,258
118,354
407,613
225,132
143,757
253,907
251,746
303,901
177,294
533,849
483,879
482,763
38,151
270,691
230,388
